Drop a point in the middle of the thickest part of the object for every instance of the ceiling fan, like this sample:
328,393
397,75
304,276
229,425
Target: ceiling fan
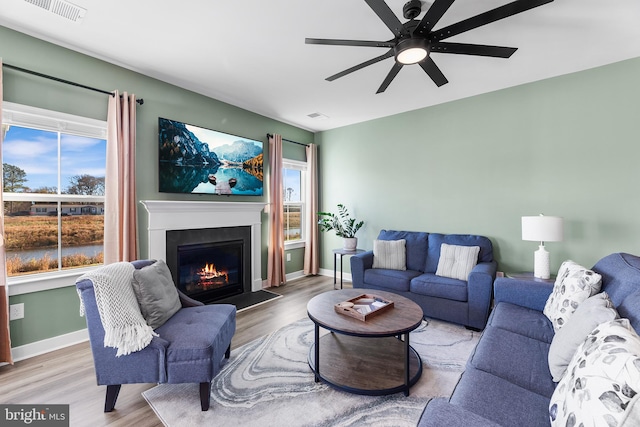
414,41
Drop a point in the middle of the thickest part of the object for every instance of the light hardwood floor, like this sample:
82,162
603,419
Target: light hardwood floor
66,376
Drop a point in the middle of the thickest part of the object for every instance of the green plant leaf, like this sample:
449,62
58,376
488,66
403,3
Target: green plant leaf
343,225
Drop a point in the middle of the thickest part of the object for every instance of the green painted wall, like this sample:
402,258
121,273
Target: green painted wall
566,146
46,314
161,100
297,260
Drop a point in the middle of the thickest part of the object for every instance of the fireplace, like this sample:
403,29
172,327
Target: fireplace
212,263
173,215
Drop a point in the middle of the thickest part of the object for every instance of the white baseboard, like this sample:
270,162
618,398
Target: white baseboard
50,344
346,277
295,275
323,272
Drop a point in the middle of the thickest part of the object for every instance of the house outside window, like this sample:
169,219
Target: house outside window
293,188
53,168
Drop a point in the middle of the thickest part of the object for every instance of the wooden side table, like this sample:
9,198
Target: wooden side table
342,253
528,275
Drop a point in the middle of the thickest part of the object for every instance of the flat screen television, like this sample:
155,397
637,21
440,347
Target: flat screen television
197,160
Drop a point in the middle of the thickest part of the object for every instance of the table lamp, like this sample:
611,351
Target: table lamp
542,229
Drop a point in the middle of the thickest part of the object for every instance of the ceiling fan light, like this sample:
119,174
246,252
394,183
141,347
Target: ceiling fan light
411,51
412,55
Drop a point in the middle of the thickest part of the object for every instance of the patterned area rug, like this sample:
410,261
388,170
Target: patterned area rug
268,382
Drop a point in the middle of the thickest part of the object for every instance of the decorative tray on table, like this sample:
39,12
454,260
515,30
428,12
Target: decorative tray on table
363,306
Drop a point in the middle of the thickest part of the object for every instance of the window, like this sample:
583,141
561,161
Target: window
293,185
53,168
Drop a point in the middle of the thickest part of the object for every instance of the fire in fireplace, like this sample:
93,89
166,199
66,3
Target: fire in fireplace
210,277
214,268
210,264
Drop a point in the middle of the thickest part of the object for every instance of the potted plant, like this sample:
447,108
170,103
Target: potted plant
344,226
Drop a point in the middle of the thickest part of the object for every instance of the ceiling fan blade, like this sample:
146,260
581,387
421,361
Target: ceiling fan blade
338,42
433,71
392,75
493,15
433,15
389,54
473,49
388,17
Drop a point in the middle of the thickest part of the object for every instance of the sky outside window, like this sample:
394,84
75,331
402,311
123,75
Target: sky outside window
291,185
36,152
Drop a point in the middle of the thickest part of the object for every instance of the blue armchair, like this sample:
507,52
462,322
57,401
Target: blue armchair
466,302
190,347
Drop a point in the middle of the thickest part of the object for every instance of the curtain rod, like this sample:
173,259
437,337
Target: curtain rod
288,140
35,73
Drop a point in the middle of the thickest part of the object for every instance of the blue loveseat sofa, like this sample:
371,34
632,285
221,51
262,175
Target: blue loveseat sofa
464,302
507,381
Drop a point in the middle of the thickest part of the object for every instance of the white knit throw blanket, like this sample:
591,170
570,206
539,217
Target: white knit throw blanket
124,327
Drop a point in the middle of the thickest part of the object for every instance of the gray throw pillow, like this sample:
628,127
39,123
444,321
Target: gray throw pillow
157,294
390,254
456,261
592,312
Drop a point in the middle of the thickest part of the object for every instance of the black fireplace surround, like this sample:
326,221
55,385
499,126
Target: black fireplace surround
209,264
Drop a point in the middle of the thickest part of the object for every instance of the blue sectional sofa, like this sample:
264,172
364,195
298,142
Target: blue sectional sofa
464,302
507,381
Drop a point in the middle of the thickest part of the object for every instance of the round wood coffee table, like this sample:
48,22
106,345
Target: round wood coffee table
371,357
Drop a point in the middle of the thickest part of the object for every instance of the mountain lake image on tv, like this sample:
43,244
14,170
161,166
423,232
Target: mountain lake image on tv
204,161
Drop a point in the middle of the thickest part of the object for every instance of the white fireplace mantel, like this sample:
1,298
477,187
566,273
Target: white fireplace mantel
167,215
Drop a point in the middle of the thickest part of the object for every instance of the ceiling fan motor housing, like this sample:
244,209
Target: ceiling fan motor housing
411,9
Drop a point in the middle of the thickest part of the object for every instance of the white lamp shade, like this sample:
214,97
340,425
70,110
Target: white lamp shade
542,228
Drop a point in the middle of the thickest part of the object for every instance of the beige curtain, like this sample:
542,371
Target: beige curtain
275,259
5,337
311,251
120,210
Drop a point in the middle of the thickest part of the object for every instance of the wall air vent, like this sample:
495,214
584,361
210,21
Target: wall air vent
61,8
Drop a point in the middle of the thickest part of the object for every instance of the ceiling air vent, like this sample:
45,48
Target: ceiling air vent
61,8
317,116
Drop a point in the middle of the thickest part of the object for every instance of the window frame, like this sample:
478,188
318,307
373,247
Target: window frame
302,167
14,114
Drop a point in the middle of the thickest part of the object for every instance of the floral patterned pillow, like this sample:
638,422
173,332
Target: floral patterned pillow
602,380
573,285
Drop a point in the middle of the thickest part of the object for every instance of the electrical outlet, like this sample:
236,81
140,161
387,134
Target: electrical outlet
16,311
288,257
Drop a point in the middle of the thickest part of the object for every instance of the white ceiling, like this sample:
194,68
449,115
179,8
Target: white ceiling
251,53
